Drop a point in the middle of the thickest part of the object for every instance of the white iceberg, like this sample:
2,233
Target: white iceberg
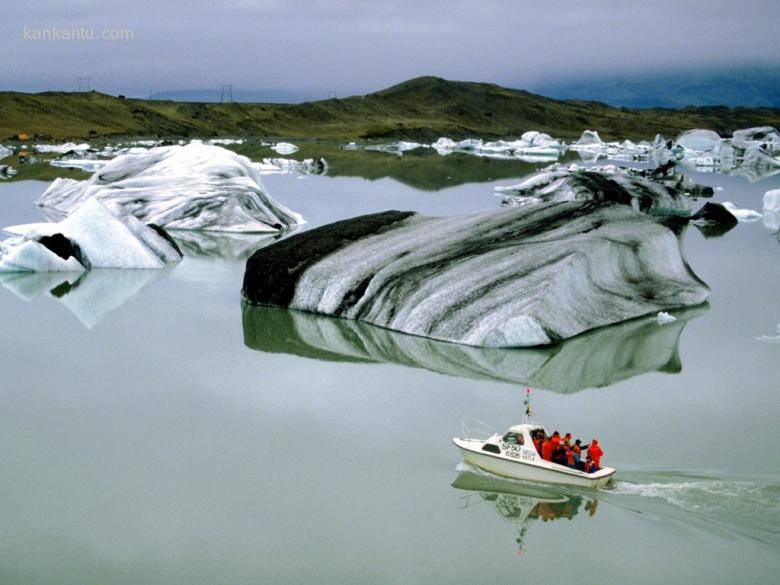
744,215
7,171
589,140
771,209
91,237
225,141
766,136
191,187
285,148
698,140
61,148
4,152
662,318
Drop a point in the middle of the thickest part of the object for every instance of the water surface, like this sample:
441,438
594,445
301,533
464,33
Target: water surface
154,430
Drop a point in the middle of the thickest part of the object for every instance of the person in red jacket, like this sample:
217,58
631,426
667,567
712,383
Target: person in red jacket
595,452
547,449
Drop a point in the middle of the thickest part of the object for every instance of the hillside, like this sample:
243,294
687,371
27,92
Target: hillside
423,108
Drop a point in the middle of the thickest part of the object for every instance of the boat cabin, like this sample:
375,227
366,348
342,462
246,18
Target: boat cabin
515,443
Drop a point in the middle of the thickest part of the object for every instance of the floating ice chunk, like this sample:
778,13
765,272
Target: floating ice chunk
4,152
7,171
285,148
771,338
764,135
307,166
698,140
745,215
61,148
91,237
772,200
513,277
87,165
589,139
663,318
32,254
225,141
659,191
196,186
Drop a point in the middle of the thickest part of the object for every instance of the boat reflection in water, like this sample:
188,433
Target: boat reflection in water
521,504
594,359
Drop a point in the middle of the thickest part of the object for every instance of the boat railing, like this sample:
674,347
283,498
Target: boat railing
473,428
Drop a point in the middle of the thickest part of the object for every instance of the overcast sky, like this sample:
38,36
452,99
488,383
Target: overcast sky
356,46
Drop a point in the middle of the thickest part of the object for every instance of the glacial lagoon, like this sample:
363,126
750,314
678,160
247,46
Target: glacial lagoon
156,430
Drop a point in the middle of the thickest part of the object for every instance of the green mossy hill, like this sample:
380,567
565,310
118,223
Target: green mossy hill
422,109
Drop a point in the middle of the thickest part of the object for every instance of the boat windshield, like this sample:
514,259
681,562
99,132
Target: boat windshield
511,438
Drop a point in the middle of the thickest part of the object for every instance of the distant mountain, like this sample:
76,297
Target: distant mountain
274,96
736,86
421,109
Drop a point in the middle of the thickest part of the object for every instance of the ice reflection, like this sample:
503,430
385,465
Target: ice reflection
597,358
90,296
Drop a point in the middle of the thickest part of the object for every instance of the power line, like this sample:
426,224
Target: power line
84,83
226,96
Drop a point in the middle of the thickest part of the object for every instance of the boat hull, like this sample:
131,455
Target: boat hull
538,472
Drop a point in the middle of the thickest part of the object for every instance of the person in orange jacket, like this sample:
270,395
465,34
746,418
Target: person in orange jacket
547,449
595,452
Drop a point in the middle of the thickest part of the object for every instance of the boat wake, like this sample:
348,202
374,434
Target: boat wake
747,508
750,508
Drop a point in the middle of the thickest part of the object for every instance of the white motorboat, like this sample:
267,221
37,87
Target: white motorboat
513,454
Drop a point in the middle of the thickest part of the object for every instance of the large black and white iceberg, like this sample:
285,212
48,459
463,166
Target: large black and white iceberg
510,278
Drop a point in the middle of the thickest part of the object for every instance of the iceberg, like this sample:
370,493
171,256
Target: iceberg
284,148
61,148
514,277
771,218
659,191
91,237
664,318
190,187
698,140
595,359
7,171
746,215
4,152
532,145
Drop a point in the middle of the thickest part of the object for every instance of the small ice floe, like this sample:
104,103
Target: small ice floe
591,147
699,140
91,237
533,146
225,141
663,318
4,152
350,146
195,187
307,166
745,215
771,338
398,148
6,171
285,148
61,148
85,164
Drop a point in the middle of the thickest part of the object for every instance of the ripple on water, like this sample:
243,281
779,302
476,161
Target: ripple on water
747,508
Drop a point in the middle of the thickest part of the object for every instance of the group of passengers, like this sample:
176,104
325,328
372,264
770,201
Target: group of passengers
562,451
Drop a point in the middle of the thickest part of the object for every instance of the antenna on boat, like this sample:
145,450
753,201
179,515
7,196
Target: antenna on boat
527,403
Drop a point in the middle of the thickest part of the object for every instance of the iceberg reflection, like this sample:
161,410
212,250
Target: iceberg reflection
595,359
90,295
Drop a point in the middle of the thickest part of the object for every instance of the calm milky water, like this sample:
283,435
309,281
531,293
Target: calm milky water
154,431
